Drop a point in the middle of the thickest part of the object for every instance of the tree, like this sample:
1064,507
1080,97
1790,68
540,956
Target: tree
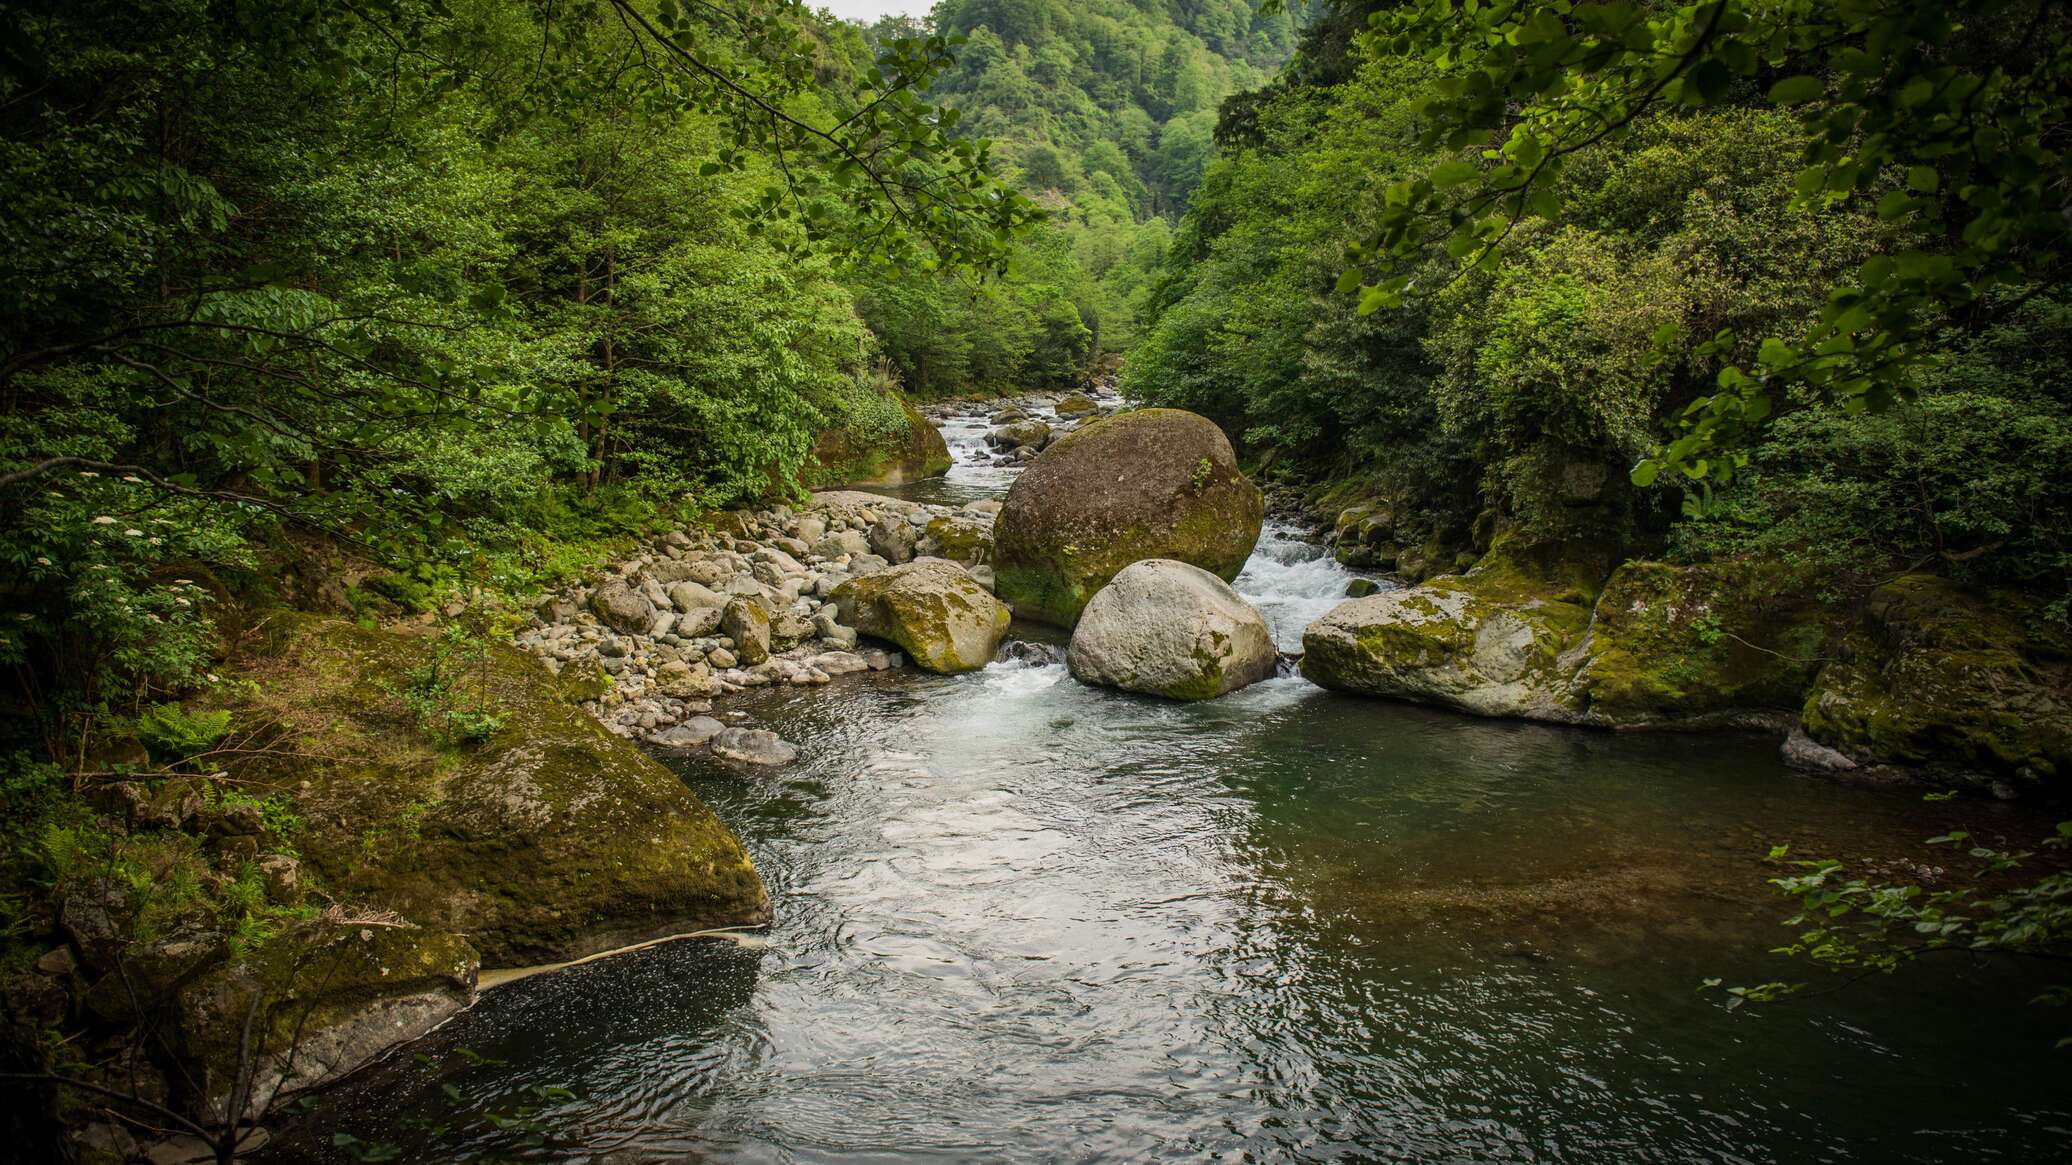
1947,116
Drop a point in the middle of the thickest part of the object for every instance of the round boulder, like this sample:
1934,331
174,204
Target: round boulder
931,607
1157,483
1169,629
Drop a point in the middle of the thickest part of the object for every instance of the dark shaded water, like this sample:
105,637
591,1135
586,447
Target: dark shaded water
1023,920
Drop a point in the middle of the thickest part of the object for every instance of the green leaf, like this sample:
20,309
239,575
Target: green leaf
1796,90
1453,173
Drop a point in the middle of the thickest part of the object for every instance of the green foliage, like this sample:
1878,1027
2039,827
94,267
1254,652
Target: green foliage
447,287
172,734
1925,113
1858,925
448,693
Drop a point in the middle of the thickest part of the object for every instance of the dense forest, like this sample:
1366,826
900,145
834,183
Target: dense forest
408,313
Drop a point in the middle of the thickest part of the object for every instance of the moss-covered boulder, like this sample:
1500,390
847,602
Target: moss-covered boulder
1496,641
313,1005
1076,404
964,538
1157,483
1957,684
1169,629
890,443
1671,644
932,608
552,840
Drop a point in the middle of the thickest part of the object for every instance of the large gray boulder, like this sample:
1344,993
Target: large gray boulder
1167,628
1159,483
931,607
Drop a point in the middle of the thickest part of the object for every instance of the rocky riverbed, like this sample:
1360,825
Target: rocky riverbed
656,643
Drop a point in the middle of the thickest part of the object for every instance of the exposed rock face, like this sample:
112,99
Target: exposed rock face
332,997
932,608
1159,483
1169,629
622,608
853,456
1019,433
1942,680
1528,633
553,840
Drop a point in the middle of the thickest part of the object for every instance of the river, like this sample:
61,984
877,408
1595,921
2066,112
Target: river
1019,919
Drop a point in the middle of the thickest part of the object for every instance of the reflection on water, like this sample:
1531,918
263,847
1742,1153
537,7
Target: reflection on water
1021,919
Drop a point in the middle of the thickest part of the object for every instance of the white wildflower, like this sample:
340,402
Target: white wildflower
104,520
133,533
40,561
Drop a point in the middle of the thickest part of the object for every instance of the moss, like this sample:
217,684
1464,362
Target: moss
553,840
1674,642
1950,681
961,539
853,456
1118,491
329,996
932,609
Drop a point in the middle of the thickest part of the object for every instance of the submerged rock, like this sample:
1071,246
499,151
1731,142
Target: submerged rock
1158,483
931,607
754,746
1169,629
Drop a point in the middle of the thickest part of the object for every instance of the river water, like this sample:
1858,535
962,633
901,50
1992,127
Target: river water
1019,919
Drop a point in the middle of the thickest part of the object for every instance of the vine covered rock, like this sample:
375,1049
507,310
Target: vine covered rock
1157,483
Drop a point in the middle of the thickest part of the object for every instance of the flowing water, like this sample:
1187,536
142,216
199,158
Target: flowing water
1019,919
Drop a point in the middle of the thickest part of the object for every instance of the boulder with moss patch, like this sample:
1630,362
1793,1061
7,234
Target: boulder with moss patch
1696,645
1957,685
931,607
886,452
1157,483
552,840
314,1004
1495,641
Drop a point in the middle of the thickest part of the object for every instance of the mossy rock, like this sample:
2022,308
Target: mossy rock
850,457
1443,644
323,1000
1076,404
1949,682
930,607
1496,641
1675,644
552,840
1157,483
959,538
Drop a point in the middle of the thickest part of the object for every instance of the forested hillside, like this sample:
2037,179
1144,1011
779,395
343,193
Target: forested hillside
1103,112
1523,392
